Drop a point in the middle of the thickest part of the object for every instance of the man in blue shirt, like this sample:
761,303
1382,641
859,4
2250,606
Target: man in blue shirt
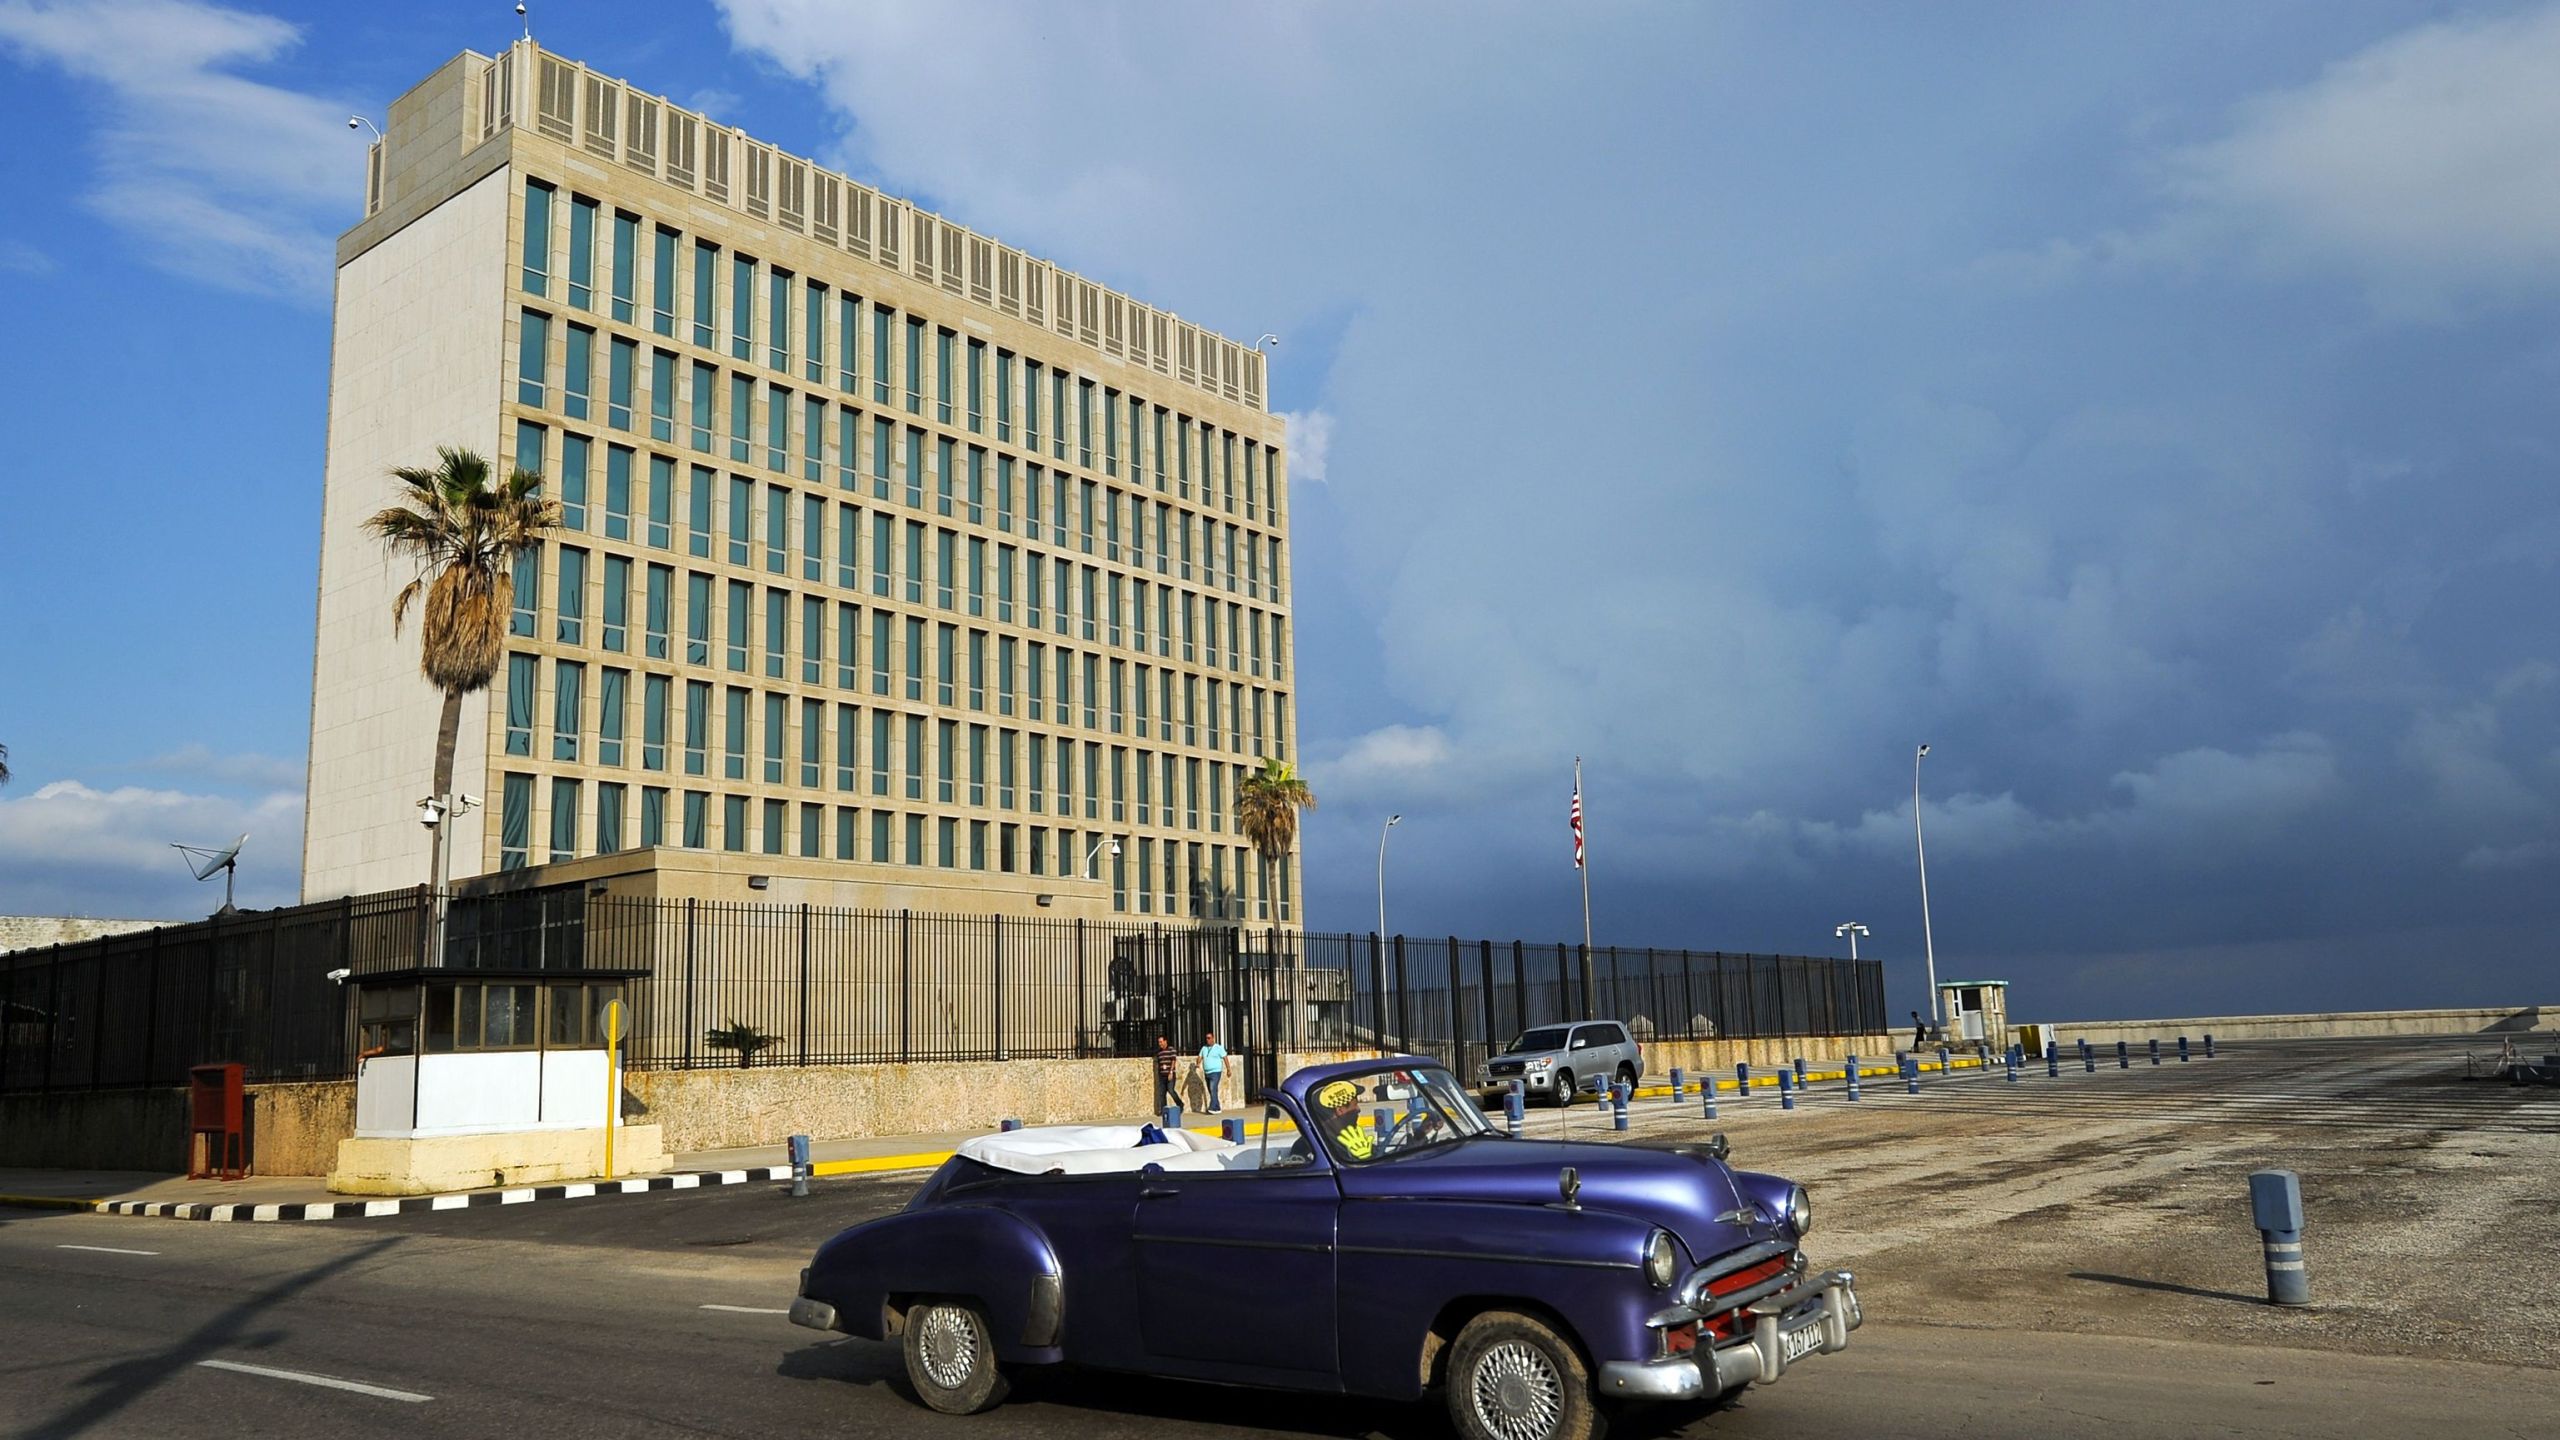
1213,1067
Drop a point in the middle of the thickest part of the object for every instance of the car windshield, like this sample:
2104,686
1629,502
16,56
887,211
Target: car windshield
1550,1037
1393,1110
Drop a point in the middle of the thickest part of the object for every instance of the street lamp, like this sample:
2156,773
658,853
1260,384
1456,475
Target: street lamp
1111,840
1392,822
1928,945
1853,930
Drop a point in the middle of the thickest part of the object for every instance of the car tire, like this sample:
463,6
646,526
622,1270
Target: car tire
1627,1075
1566,1090
951,1357
1512,1377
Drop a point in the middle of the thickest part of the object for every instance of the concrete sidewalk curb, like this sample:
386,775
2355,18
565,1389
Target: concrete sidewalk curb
50,1202
413,1204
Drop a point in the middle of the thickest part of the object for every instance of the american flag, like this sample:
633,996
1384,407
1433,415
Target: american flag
1577,818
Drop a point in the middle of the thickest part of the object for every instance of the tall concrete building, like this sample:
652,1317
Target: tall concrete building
897,564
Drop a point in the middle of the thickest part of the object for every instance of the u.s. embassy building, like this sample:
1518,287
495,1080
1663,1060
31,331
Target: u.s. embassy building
898,567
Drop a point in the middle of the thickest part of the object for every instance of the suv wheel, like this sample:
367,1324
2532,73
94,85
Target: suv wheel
1565,1088
1512,1377
1627,1076
951,1358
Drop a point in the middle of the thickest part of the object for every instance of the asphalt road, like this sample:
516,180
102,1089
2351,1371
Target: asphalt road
651,1314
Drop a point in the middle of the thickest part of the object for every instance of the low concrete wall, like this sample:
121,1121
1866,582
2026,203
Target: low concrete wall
1718,1057
293,1129
2310,1027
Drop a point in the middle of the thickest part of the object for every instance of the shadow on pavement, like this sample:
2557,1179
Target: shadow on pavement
119,1384
2166,1288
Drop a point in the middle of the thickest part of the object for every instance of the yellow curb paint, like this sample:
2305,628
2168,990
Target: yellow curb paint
873,1164
50,1202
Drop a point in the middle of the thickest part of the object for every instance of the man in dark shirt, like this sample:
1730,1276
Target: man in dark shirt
1166,1059
1919,1030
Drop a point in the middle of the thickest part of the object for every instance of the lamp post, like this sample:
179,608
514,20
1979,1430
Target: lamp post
1928,944
1392,822
433,812
1853,930
1111,840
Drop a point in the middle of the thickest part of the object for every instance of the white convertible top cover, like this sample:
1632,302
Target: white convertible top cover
1102,1150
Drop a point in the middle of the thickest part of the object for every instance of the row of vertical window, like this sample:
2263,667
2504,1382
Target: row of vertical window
815,830
754,312
727,516
668,724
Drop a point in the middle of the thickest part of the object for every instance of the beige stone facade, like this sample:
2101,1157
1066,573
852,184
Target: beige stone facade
895,554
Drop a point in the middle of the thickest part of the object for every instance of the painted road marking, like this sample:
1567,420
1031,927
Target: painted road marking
106,1249
330,1382
744,1310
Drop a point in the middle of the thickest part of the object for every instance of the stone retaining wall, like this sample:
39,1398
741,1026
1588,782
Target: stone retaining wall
293,1129
2495,1021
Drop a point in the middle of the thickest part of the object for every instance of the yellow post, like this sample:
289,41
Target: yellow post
612,1077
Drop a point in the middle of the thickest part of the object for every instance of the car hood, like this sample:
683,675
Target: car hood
1689,1193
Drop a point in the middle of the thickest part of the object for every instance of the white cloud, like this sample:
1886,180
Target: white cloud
1392,761
200,762
219,178
68,848
1310,442
17,257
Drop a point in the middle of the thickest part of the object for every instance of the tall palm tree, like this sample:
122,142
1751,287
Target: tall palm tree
463,534
1267,806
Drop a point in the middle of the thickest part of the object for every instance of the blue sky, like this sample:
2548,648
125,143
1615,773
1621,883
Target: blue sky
2147,406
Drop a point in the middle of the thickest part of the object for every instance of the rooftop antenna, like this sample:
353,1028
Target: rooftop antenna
204,862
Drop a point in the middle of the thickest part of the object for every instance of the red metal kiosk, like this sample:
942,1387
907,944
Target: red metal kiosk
217,1142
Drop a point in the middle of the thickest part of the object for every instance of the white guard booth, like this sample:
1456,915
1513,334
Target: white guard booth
475,1078
1977,1011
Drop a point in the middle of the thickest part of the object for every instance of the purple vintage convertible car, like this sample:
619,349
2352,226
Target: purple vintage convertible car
1378,1238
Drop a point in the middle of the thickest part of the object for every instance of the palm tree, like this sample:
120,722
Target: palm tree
1267,806
463,534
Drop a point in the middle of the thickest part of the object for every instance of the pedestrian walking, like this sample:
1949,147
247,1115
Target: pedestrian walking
1919,1029
1213,1067
1166,1059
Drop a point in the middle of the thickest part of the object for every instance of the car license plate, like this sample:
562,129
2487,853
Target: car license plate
1796,1344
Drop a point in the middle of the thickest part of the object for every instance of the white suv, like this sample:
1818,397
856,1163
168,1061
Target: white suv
1564,1060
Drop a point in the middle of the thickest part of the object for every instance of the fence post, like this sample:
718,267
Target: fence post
1492,1016
1378,991
1520,984
1457,1016
804,982
151,1013
996,931
1583,968
1404,1004
906,979
691,908
8,1003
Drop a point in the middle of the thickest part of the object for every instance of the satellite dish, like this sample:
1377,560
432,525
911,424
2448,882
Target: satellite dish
204,862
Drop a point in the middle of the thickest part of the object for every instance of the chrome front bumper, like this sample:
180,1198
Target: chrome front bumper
1827,1302
816,1314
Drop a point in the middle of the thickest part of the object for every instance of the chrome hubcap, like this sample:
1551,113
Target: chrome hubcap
948,1344
1517,1393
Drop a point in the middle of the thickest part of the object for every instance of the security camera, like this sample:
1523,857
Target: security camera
519,7
431,812
355,122
339,976
469,802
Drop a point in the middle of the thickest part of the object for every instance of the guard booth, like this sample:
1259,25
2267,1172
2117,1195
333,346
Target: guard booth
476,1077
1977,1011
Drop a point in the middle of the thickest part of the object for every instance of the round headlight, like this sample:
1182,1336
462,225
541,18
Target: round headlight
1799,1209
1659,1260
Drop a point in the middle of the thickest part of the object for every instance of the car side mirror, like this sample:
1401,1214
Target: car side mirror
1718,1146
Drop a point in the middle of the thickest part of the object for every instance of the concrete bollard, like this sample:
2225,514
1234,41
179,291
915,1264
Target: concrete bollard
2275,1207
1799,1072
1709,1088
1742,1080
800,1166
2182,1049
1511,1113
1946,1062
1172,1118
1786,1094
1008,1125
2155,1050
1618,1105
1853,1077
2208,1047
2052,1061
1911,1074
2012,1060
1385,1120
1679,1084
2124,1056
1231,1131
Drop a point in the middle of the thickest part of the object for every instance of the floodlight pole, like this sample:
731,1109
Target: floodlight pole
1928,944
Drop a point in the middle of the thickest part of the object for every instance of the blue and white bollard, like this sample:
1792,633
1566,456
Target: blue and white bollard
2052,1061
2208,1047
1172,1118
1618,1105
1799,1072
1386,1122
800,1166
1708,1087
1911,1074
2155,1050
1008,1124
1742,1080
1853,1077
2088,1057
1946,1062
1231,1131
2012,1059
2275,1206
2124,1056
1679,1084
1511,1113
1786,1095
2182,1050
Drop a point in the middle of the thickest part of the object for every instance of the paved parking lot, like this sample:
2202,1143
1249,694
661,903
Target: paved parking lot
2036,1258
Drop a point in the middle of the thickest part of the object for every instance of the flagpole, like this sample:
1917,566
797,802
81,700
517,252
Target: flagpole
1579,863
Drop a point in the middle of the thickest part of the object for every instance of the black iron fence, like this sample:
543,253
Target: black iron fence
730,984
